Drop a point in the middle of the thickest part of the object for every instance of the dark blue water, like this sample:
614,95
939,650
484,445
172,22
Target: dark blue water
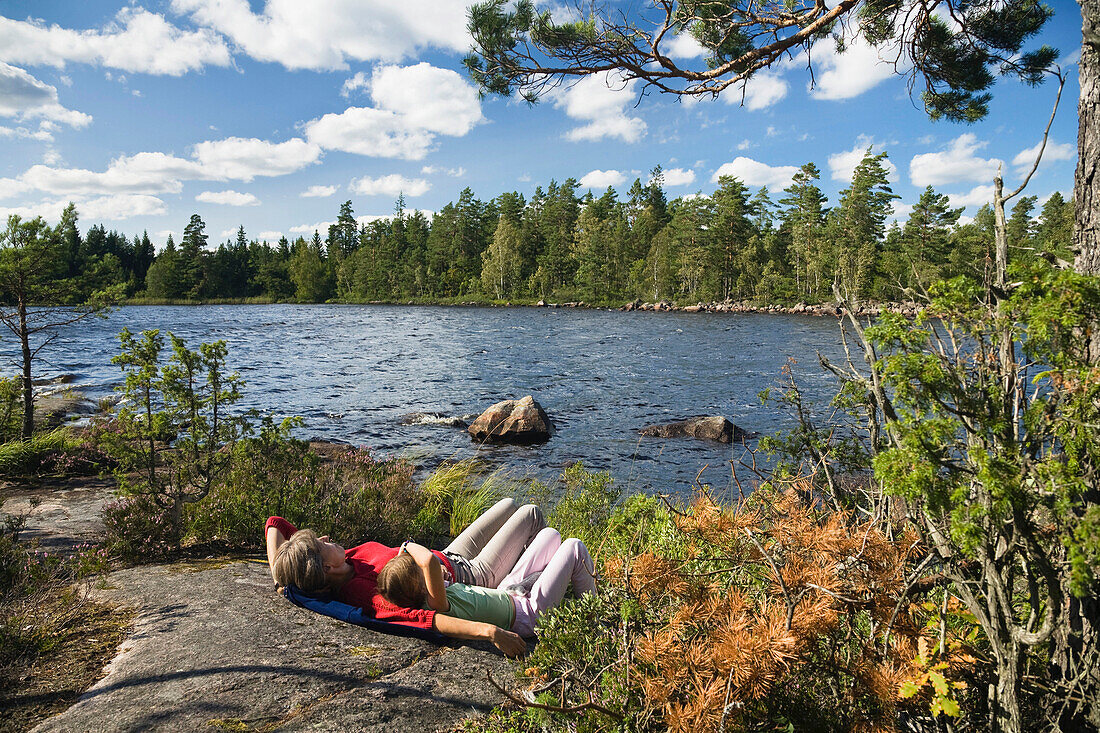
353,371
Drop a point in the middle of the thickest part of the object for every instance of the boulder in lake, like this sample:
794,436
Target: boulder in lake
521,422
715,428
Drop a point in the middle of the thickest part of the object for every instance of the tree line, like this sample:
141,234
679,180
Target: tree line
735,244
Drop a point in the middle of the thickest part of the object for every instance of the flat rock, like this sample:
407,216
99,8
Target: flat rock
715,427
213,647
521,422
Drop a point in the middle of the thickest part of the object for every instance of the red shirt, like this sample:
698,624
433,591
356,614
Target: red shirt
362,590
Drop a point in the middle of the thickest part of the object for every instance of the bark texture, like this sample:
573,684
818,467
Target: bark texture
1086,194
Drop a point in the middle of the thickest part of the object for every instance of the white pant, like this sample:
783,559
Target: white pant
560,563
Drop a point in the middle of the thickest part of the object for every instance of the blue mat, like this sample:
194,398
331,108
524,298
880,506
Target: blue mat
355,615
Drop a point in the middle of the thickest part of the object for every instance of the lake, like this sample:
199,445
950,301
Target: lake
353,371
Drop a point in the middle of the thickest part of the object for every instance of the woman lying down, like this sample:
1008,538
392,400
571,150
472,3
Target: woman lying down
505,548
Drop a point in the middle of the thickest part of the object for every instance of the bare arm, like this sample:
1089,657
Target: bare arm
506,641
274,540
433,575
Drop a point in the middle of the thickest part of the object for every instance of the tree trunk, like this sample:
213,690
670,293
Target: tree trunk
28,386
1079,628
1086,193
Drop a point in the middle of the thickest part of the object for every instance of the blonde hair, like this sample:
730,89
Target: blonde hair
298,563
401,582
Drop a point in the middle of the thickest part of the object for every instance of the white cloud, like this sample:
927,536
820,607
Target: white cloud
390,185
843,164
956,163
1053,152
755,173
678,177
427,97
150,173
684,46
368,131
977,196
744,144
11,187
116,207
849,74
359,81
42,134
964,220
245,158
228,198
137,41
761,91
269,236
602,179
308,229
326,34
318,192
601,101
431,170
22,96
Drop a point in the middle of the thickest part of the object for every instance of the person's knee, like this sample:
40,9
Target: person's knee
508,506
533,514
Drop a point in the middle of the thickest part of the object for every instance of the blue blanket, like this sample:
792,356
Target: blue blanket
355,615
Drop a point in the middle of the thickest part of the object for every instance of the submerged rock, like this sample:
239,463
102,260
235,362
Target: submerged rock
520,422
715,428
432,418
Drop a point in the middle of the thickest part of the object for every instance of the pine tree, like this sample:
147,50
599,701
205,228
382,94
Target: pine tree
860,224
804,219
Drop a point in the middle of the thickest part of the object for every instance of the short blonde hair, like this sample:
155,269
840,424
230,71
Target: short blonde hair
298,563
401,582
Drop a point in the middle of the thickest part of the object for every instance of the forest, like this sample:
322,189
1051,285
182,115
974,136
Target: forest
763,247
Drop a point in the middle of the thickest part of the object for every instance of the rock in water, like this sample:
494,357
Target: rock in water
432,418
715,428
521,422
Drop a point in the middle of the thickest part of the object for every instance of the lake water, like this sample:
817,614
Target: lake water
352,372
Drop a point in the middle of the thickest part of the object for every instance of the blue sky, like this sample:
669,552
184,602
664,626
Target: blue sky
269,114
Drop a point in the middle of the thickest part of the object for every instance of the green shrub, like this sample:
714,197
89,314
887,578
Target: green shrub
53,451
351,495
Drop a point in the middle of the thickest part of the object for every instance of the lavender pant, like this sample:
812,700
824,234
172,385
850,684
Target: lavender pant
560,563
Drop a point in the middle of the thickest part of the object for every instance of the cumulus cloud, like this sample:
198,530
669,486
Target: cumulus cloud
427,97
245,158
228,198
269,236
327,34
149,173
754,173
761,91
684,46
390,185
957,163
678,176
359,81
318,192
321,228
368,131
116,207
431,170
136,41
602,179
1053,152
849,74
413,105
601,102
843,164
977,196
23,97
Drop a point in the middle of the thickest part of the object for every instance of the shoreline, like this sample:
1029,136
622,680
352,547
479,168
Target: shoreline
871,308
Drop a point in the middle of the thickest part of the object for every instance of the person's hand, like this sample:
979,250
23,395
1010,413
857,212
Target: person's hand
510,643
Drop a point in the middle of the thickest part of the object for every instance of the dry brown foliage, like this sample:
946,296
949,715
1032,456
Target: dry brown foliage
770,597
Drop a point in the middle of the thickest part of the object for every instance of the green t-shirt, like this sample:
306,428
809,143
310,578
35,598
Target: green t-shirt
488,605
